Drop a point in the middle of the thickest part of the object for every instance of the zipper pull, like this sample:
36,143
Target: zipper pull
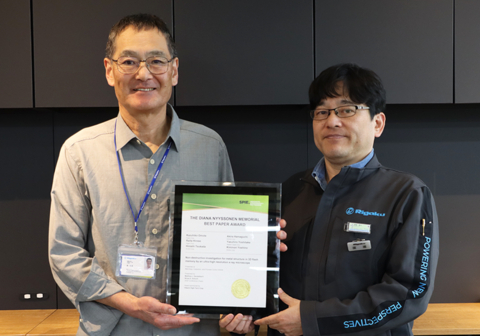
423,226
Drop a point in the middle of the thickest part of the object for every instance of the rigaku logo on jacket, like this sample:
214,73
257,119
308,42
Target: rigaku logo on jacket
351,211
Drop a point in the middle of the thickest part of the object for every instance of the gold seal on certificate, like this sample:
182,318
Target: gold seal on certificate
241,289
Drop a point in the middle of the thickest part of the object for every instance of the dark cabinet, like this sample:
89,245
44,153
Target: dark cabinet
27,157
16,54
70,38
408,43
244,52
467,51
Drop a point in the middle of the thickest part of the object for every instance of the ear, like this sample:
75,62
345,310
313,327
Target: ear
175,65
109,71
379,121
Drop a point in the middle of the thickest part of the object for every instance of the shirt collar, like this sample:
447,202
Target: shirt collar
318,172
125,134
174,133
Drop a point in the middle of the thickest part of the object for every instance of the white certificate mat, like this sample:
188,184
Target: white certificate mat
223,259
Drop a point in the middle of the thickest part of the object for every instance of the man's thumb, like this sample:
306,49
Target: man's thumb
287,299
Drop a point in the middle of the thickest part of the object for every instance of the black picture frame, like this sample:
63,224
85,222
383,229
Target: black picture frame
273,254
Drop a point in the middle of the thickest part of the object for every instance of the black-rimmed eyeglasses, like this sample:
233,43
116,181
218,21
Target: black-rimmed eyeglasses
345,111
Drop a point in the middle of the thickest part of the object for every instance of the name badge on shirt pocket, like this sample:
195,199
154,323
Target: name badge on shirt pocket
357,227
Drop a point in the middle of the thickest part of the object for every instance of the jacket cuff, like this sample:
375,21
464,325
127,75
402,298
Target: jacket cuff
309,318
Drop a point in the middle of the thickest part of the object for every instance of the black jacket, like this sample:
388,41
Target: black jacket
376,291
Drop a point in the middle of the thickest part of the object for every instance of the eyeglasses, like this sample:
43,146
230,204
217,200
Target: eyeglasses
157,65
341,111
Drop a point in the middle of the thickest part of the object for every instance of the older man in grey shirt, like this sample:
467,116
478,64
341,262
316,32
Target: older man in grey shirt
102,167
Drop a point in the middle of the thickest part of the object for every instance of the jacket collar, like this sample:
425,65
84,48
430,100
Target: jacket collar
347,175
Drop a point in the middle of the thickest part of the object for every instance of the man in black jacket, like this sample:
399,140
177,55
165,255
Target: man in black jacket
362,238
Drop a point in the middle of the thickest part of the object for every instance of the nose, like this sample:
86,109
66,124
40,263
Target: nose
143,73
333,120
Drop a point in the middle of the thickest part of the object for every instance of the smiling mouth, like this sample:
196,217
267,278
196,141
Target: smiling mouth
144,90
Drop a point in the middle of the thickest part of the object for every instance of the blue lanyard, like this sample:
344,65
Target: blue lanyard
151,183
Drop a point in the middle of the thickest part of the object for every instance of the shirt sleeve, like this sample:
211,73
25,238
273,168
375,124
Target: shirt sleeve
74,267
404,290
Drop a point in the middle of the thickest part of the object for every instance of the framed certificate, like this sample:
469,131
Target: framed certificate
224,253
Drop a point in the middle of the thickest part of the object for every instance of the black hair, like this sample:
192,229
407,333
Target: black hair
139,22
363,86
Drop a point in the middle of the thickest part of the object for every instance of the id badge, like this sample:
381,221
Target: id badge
136,261
357,227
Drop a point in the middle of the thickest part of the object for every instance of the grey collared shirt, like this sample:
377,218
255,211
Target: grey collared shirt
90,216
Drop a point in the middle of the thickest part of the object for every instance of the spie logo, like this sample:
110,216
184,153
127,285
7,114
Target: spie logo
350,211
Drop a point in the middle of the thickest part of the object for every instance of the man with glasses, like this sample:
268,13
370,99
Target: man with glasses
362,238
103,174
